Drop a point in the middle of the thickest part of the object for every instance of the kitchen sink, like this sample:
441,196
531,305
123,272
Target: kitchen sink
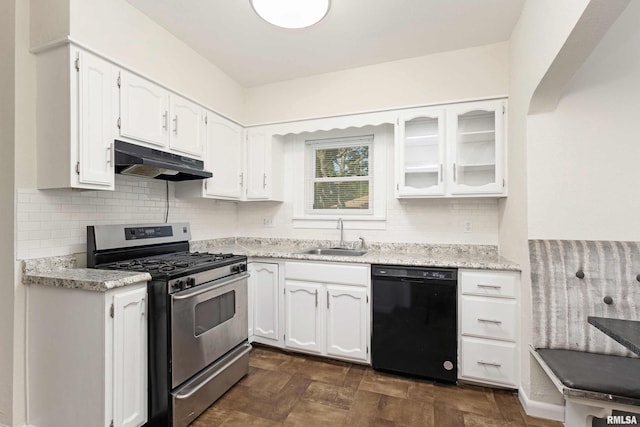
334,252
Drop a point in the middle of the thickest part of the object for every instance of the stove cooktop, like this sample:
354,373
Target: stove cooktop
174,264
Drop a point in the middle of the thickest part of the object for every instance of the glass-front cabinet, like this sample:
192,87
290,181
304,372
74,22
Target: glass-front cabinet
476,135
420,151
455,150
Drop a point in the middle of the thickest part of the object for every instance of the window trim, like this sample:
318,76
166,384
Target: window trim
311,146
383,154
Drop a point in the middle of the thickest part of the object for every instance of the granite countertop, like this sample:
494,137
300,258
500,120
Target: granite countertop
454,256
626,332
62,272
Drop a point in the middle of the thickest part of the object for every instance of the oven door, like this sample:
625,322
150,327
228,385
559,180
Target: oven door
206,322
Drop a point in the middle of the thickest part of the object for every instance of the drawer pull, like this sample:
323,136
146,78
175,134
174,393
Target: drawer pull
480,285
497,322
482,362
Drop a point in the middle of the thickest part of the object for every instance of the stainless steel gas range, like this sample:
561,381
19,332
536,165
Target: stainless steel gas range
197,314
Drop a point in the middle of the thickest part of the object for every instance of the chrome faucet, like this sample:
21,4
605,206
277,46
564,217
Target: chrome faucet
341,227
363,246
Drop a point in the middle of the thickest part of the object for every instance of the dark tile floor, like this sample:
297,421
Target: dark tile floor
287,389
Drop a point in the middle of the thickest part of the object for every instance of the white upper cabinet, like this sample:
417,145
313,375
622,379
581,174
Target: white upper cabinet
187,126
151,115
451,151
76,119
476,133
95,120
420,152
265,165
144,110
224,158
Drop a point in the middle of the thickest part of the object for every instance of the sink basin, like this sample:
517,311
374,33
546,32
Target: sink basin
334,252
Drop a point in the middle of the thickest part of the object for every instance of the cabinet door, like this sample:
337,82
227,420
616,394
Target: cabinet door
420,153
347,321
129,358
303,326
96,123
224,158
264,278
187,126
476,140
258,156
144,110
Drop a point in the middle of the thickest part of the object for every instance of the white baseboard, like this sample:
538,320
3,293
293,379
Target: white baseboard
538,409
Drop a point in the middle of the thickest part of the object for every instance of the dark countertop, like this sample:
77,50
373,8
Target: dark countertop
626,332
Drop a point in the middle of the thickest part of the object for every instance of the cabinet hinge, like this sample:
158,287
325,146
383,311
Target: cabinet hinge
503,183
367,349
504,109
119,122
398,187
398,121
78,64
111,310
119,81
367,299
78,168
205,184
206,120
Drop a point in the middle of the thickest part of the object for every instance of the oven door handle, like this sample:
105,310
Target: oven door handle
190,293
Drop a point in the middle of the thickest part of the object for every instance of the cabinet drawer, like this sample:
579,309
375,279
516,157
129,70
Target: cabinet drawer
489,317
491,361
348,274
489,283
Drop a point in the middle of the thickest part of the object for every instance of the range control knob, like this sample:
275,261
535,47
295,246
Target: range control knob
238,268
191,282
178,285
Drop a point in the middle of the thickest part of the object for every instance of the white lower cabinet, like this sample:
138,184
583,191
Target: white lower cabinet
303,314
87,357
327,309
264,313
489,343
347,305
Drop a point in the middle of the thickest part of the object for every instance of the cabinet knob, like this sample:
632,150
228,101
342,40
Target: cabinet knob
580,274
608,300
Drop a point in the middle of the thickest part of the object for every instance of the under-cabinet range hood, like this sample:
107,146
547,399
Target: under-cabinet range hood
131,159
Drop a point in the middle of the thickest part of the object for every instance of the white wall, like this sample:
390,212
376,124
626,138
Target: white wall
539,36
119,30
7,169
462,74
583,157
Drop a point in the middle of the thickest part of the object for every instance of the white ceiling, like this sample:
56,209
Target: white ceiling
354,33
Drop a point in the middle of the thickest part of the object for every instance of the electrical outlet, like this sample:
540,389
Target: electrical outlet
267,222
468,226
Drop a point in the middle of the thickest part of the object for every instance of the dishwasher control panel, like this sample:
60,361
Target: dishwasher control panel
414,272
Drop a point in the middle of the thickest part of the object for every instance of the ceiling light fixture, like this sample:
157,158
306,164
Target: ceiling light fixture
291,13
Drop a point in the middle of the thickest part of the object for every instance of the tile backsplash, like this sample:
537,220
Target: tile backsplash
53,222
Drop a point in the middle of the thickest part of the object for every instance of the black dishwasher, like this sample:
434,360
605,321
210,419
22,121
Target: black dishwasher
415,321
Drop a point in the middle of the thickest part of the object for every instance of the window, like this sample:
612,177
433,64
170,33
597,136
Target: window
340,176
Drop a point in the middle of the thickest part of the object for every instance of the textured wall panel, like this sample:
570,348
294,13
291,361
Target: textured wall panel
561,302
